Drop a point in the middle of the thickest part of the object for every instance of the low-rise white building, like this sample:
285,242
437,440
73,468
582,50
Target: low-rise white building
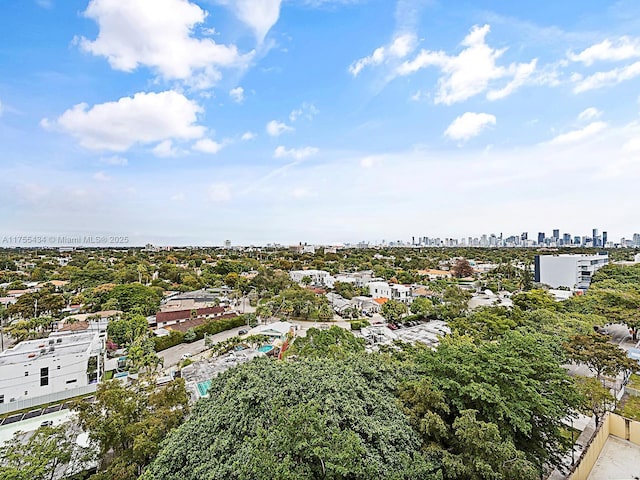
37,368
318,277
392,291
571,271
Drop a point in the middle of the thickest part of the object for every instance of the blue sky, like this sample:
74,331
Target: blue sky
325,121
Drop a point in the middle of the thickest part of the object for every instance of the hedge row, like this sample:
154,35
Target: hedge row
210,328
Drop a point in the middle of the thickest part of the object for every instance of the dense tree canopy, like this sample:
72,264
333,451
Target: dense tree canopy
309,419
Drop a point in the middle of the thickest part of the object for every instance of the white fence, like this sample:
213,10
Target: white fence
44,399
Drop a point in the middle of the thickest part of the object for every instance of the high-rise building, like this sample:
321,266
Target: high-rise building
604,239
636,239
540,238
594,237
524,236
566,239
556,234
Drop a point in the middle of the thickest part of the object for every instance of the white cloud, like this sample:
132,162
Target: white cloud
306,110
471,71
159,34
301,192
399,48
116,161
521,72
578,135
248,136
142,119
275,128
623,48
589,114
469,125
237,94
219,192
259,15
101,177
165,149
207,145
295,153
608,78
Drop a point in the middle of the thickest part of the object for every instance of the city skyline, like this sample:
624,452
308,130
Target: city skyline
329,120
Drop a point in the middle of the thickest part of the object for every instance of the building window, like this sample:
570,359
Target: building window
26,392
58,367
26,374
44,376
1,398
72,381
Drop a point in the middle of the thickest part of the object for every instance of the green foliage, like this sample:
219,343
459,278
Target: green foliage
524,399
359,324
190,335
130,422
422,307
602,357
136,298
393,310
310,419
348,290
126,329
487,323
536,299
631,408
335,342
174,338
46,454
596,399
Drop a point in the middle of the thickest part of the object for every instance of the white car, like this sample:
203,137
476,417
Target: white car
185,356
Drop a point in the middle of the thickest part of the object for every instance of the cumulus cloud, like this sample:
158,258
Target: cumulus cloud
623,48
207,145
165,149
589,114
399,48
142,119
101,177
275,128
306,110
219,192
469,125
575,136
606,79
259,15
159,34
295,153
116,161
471,71
248,136
237,94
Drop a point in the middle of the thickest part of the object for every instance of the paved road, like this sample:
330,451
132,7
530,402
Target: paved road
172,356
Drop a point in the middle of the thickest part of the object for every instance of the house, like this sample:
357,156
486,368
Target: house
277,330
35,369
396,292
318,277
173,317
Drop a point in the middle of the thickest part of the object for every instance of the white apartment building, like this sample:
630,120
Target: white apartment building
37,368
390,291
318,277
571,271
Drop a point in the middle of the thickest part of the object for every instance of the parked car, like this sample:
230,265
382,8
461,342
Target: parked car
185,356
46,423
392,326
242,332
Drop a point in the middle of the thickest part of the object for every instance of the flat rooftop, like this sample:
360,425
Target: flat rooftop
62,345
619,460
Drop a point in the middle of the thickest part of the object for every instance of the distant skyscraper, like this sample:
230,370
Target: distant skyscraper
636,239
540,238
604,239
227,244
566,239
556,234
524,236
594,237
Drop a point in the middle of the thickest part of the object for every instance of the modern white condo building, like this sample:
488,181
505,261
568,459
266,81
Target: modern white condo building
571,271
40,368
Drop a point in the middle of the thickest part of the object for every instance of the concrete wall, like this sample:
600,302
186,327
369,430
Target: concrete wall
612,424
